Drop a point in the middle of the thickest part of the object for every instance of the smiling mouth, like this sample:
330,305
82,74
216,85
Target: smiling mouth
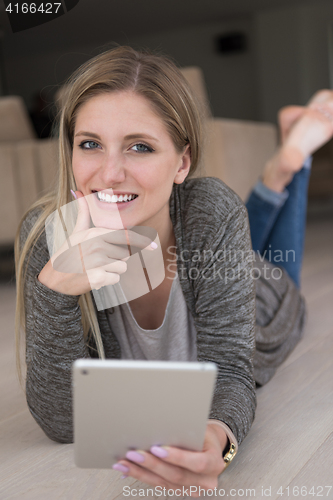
107,198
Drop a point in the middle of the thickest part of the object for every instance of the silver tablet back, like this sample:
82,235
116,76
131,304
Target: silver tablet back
121,405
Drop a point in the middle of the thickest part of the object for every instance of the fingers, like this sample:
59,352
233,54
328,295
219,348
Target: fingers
130,238
145,475
209,462
161,473
120,237
101,271
181,467
96,252
99,278
177,466
151,478
124,237
83,217
106,275
117,266
90,254
99,252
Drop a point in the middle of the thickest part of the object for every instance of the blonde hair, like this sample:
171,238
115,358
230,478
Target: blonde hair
155,77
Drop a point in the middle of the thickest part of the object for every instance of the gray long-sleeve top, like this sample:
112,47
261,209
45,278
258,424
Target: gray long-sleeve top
208,219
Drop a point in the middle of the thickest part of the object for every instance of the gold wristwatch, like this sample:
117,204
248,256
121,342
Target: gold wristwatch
230,455
231,449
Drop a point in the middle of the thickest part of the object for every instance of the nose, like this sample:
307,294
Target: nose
112,170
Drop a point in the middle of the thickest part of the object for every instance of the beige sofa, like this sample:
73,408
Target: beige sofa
236,152
26,165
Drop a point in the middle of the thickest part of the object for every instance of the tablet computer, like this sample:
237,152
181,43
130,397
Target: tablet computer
121,405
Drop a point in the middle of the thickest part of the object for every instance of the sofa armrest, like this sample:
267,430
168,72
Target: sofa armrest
10,212
236,152
28,170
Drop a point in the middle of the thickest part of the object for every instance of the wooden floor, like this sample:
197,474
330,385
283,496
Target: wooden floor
290,445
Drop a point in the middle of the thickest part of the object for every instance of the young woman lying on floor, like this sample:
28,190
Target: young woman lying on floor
130,132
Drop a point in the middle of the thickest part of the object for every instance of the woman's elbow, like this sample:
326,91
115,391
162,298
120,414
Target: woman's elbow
57,425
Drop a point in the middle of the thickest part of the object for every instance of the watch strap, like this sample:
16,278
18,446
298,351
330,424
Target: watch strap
231,448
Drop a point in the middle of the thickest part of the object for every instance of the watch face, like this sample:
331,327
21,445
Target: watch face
228,457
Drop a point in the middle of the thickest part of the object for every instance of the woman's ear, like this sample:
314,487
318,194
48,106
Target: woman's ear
185,166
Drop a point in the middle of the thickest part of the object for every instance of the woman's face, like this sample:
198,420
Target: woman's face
122,147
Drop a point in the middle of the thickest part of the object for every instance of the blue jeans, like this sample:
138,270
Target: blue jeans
277,222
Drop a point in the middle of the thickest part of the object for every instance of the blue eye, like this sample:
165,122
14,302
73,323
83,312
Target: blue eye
92,145
142,148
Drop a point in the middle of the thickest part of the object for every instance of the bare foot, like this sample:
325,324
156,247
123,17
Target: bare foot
287,117
280,169
312,130
300,138
321,97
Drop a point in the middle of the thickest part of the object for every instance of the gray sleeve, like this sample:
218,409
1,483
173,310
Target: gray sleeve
225,317
54,339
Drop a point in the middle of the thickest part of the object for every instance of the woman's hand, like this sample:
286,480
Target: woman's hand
174,468
92,257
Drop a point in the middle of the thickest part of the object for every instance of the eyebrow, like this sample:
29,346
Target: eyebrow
127,137
89,134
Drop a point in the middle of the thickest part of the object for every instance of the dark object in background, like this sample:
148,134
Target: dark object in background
7,264
231,43
40,116
321,180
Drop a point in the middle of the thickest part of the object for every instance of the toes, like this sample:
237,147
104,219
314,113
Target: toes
321,96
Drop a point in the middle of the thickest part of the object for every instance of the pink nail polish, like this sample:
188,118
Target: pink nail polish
120,468
159,452
153,245
135,456
73,194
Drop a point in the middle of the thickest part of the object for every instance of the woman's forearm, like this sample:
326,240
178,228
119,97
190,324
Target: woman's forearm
54,339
